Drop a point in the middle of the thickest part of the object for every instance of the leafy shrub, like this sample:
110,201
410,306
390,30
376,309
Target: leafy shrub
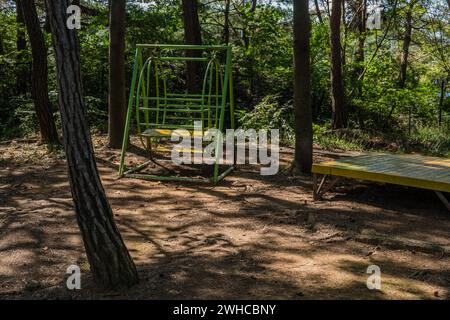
269,114
430,140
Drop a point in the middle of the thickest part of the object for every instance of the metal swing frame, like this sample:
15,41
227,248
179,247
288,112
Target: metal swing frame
211,104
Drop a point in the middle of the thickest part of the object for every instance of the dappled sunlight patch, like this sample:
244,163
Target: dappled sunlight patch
246,237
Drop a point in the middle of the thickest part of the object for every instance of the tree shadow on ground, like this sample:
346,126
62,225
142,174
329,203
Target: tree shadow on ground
248,237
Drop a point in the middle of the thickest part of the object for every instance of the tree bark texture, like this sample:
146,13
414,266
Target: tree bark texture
39,74
21,45
110,262
193,36
302,88
337,82
406,44
117,91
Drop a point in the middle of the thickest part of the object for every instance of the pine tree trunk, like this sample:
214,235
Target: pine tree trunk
245,37
117,94
406,44
2,51
360,11
192,35
21,44
319,14
246,40
441,100
226,26
361,20
302,88
345,29
110,262
337,83
39,75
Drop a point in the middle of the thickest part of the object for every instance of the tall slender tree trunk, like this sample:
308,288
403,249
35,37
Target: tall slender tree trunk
117,94
406,44
337,82
345,29
2,50
21,44
226,27
319,14
327,7
245,36
302,88
108,257
361,20
360,10
39,75
441,99
192,35
246,40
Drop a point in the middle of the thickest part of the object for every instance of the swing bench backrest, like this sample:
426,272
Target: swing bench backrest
160,109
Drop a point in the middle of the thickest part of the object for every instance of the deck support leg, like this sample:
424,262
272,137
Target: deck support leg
443,199
315,178
321,189
335,181
318,187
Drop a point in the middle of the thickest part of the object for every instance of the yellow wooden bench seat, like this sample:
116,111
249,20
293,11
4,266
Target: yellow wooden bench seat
167,133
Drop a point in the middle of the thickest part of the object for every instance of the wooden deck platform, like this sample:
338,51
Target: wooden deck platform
407,170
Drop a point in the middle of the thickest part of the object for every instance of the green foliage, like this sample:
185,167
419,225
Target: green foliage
8,31
430,140
382,116
20,119
97,114
269,114
330,140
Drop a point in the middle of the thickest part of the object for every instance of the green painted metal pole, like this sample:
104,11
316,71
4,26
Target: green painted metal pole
183,46
141,84
231,94
165,99
147,93
138,168
211,74
126,134
201,59
192,95
205,81
216,114
225,173
166,178
157,91
222,113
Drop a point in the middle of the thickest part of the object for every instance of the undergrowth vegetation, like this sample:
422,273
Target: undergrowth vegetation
382,115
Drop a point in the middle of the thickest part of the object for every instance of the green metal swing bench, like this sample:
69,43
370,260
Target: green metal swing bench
160,113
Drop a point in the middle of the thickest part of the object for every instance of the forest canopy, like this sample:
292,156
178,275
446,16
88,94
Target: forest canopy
395,76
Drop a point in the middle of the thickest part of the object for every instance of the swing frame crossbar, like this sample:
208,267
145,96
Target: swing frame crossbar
209,106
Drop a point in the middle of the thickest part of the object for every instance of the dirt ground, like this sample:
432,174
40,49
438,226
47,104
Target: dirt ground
248,237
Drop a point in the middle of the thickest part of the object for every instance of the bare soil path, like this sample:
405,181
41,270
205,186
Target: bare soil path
249,237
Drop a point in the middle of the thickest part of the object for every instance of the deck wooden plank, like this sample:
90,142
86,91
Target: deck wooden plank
407,170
